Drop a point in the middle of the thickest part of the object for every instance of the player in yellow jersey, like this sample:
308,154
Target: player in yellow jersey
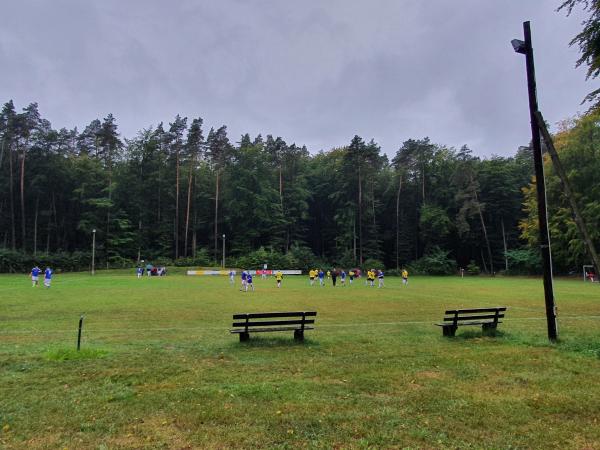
405,277
278,278
312,274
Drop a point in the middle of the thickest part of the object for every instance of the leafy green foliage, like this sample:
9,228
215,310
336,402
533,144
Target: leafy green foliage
435,263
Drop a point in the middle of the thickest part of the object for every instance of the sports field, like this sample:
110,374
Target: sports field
159,369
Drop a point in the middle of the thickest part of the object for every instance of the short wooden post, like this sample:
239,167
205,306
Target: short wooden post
79,333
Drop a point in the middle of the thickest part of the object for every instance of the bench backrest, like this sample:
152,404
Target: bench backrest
247,320
461,315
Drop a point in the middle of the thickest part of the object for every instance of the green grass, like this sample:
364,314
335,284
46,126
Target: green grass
159,369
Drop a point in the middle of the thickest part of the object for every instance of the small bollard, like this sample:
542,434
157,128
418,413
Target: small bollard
79,333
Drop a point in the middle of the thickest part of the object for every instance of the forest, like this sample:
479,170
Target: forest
177,192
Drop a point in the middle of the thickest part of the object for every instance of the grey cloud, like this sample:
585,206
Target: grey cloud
313,72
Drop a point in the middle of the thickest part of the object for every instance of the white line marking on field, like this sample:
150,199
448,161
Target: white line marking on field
337,325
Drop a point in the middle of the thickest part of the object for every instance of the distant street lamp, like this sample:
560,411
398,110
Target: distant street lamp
93,251
223,262
525,48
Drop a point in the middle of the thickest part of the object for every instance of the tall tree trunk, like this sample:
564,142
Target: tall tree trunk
360,240
423,174
22,197
176,234
35,226
55,218
398,222
485,235
354,236
281,186
373,204
106,245
560,171
139,236
158,194
12,200
483,260
2,152
187,209
48,235
194,244
504,242
217,216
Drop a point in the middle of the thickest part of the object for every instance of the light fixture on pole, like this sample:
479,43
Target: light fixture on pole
525,48
223,262
93,251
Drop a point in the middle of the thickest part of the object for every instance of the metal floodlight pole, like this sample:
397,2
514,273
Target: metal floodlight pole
93,251
223,262
525,48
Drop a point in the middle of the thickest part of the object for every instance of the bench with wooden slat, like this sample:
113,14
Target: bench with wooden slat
488,318
296,321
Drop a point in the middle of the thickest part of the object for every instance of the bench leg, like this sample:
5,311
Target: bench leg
489,329
299,335
244,337
449,331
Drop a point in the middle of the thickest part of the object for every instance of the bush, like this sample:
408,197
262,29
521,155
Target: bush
372,263
473,268
200,260
524,262
435,263
17,262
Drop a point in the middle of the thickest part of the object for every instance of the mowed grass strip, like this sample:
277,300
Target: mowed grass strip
159,369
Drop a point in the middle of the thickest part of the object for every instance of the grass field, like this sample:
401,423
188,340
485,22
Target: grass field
159,369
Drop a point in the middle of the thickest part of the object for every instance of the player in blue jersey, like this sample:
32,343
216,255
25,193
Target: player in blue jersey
249,282
343,277
47,277
321,277
244,280
231,277
380,279
35,276
139,271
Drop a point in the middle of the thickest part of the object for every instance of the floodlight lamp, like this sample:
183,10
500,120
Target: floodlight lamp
94,230
518,46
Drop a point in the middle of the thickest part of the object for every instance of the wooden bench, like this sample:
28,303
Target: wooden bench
296,321
488,318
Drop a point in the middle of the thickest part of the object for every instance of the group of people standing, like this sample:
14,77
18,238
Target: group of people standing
248,281
333,275
35,276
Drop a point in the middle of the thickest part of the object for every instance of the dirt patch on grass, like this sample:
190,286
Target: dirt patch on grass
151,431
428,374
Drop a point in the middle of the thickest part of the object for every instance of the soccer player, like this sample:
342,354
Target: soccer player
47,277
321,277
231,277
351,275
380,279
343,277
139,271
328,274
249,282
278,277
244,281
334,275
35,276
312,273
405,277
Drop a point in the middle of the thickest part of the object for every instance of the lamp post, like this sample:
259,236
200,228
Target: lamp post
223,262
525,48
93,251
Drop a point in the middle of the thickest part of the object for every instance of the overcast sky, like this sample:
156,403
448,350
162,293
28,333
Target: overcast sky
315,72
